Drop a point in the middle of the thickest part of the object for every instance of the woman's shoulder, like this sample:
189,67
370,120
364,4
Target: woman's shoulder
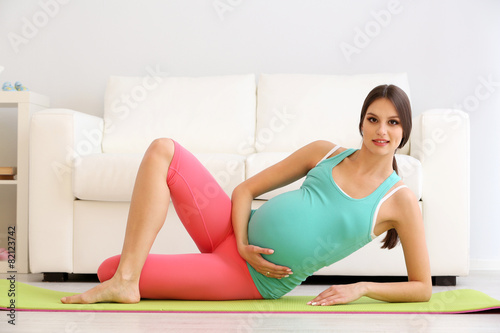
403,200
401,208
403,193
327,149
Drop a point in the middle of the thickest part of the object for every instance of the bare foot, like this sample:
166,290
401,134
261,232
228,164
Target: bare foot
113,290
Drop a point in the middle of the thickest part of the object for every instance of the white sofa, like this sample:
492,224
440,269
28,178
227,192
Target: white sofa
83,167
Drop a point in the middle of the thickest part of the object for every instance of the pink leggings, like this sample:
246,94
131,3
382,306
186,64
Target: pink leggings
218,272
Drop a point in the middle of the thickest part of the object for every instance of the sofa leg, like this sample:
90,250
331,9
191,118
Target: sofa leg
444,280
55,277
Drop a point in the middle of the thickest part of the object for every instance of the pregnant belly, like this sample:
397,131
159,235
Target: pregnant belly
284,224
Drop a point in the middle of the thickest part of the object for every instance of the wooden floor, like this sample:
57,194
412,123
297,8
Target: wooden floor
485,281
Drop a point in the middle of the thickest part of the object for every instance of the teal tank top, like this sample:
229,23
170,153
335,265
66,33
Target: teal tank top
312,227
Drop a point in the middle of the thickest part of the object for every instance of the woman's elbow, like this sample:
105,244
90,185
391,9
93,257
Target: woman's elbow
240,191
426,292
236,192
421,291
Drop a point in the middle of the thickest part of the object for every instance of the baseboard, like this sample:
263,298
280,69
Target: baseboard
345,279
484,265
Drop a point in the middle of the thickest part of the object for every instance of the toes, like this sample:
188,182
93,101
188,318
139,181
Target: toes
71,299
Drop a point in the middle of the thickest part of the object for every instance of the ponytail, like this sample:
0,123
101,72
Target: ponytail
395,164
391,238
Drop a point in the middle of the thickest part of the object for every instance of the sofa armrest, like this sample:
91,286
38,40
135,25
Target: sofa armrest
441,142
58,139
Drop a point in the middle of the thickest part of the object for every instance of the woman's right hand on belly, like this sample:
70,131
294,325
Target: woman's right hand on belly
253,255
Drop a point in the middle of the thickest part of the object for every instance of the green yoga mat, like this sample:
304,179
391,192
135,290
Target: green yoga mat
30,298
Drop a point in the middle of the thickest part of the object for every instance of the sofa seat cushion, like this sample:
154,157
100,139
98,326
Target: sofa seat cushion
111,177
410,171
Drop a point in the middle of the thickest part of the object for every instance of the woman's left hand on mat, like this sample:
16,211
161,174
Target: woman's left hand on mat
339,294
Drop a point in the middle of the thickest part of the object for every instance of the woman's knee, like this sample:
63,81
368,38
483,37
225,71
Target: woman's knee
108,268
162,148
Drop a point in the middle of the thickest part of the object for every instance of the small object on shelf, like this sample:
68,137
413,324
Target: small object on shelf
19,87
7,86
8,171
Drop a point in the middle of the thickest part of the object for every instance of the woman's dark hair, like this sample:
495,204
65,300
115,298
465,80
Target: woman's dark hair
402,104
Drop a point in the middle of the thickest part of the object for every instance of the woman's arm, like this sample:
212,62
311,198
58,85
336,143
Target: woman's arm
285,172
410,228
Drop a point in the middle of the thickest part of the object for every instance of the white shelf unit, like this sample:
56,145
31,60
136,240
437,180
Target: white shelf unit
8,182
27,103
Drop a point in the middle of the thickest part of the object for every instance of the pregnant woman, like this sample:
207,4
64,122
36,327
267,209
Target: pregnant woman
349,197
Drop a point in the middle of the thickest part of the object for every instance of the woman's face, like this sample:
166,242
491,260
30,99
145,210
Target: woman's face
382,130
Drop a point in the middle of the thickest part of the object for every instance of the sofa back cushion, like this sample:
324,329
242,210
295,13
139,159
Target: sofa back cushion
204,114
294,110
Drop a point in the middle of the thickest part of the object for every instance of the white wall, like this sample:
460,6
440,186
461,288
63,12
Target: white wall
67,49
